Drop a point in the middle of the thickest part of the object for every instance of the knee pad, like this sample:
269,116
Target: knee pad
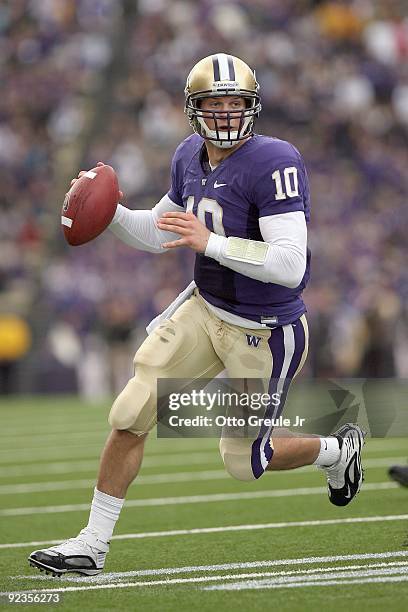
171,351
134,409
236,455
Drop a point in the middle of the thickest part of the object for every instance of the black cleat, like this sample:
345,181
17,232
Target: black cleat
345,477
84,554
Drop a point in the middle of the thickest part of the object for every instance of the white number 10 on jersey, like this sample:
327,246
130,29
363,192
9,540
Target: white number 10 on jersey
290,176
208,205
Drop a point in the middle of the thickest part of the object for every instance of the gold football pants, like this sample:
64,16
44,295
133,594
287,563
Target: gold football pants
194,344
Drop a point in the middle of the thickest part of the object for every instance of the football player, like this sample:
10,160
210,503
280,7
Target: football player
241,202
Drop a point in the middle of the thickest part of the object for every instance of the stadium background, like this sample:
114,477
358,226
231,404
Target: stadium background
91,80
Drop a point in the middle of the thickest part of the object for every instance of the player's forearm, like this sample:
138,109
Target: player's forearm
138,229
280,265
280,258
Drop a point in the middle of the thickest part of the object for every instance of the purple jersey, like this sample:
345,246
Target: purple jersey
265,176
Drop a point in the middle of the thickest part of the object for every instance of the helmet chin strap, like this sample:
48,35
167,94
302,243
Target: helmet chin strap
220,139
223,144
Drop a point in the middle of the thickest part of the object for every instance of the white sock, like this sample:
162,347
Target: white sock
329,452
105,511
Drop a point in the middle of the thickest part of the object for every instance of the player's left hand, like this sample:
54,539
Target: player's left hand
193,233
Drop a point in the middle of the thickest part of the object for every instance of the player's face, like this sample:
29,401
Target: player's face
225,107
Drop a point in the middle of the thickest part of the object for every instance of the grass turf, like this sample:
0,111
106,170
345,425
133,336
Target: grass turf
58,440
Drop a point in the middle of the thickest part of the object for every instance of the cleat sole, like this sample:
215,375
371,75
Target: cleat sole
51,572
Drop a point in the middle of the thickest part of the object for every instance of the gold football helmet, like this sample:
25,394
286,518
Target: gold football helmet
222,75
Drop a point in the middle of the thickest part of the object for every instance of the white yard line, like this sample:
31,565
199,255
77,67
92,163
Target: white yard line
34,466
66,467
53,428
40,487
23,454
148,479
383,461
43,440
191,499
173,581
120,576
255,564
227,528
386,570
50,440
316,583
43,469
40,448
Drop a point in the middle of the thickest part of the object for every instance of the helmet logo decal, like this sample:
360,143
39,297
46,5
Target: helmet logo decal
224,86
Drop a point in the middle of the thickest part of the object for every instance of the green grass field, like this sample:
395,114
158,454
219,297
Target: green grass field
190,536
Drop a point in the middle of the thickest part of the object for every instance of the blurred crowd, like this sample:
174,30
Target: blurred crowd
90,80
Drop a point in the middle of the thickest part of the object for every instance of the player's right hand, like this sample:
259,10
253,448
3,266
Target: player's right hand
82,172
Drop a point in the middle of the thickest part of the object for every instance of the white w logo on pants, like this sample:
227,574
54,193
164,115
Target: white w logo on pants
253,340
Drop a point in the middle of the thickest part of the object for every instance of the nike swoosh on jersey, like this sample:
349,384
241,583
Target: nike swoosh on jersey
216,185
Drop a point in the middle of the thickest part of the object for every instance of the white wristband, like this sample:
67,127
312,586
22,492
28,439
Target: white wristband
237,249
247,251
215,246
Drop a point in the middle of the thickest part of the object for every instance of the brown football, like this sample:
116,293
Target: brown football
90,205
